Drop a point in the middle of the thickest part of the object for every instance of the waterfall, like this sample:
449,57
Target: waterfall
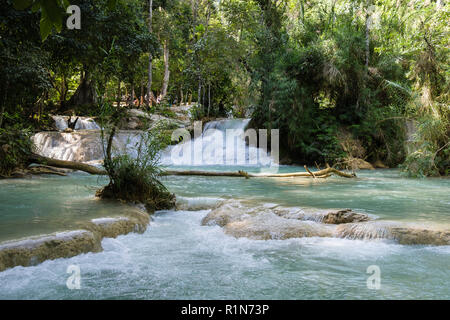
222,142
83,146
83,123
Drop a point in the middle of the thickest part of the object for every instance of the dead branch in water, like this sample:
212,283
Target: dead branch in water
324,173
35,158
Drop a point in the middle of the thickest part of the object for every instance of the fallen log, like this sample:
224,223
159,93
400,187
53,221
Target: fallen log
35,158
324,173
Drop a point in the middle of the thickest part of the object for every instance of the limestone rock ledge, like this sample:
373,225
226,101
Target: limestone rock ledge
34,250
266,221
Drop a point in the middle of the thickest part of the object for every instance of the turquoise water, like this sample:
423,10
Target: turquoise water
177,258
382,193
47,204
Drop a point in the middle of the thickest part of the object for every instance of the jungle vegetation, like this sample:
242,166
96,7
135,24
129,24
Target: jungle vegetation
340,79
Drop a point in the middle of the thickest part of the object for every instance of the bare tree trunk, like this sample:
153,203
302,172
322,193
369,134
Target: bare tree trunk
85,93
367,36
132,94
166,71
2,112
209,97
325,173
150,59
199,92
35,158
181,96
119,98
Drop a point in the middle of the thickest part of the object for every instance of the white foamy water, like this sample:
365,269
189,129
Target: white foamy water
177,258
222,142
84,145
83,123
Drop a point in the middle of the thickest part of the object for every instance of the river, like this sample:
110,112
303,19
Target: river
179,258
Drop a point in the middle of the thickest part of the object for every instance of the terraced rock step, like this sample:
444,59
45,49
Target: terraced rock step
270,221
34,250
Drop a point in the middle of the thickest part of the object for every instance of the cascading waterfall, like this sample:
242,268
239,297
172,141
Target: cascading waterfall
222,142
83,123
83,146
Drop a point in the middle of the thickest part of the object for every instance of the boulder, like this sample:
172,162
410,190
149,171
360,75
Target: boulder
344,216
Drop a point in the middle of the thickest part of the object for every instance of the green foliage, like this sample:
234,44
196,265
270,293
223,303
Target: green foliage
15,149
431,148
312,69
134,178
196,112
52,13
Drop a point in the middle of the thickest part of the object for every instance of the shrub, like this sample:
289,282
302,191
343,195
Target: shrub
431,156
15,149
136,178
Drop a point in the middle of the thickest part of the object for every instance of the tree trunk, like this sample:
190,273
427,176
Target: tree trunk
367,36
199,92
325,173
119,98
133,94
84,95
5,96
35,158
209,98
166,71
150,57
2,111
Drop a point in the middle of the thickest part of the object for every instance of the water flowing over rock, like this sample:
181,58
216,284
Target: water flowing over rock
420,236
34,250
222,142
83,123
267,221
269,226
270,221
80,146
197,203
83,146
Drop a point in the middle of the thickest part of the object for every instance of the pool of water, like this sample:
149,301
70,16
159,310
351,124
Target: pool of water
177,258
46,204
